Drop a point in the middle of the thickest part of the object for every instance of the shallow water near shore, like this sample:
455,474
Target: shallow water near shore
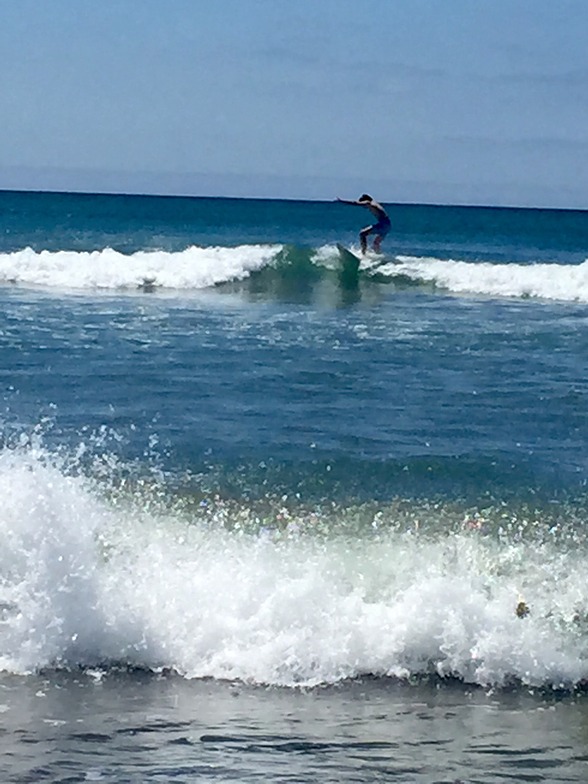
136,727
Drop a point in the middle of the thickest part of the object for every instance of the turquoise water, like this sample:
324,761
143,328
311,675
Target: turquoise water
223,462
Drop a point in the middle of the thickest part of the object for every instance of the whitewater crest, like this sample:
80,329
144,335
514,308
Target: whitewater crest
92,580
193,268
563,282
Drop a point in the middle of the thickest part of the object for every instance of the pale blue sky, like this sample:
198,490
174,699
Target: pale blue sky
446,101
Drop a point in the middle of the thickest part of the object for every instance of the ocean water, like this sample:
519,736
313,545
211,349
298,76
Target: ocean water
263,522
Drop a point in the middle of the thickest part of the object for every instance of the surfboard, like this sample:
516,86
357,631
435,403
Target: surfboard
349,269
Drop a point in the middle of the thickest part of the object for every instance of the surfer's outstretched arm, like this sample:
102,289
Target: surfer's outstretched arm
355,202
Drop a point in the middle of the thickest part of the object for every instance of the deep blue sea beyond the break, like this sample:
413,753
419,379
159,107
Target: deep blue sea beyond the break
263,521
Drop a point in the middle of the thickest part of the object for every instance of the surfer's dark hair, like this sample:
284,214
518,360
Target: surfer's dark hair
365,197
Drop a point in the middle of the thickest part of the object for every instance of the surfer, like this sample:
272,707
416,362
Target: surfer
379,229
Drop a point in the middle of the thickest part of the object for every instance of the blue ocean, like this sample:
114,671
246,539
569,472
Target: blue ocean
264,521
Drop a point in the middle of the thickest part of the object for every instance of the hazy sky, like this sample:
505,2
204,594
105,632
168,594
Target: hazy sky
451,101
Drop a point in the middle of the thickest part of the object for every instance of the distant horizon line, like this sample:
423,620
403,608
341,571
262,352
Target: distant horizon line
122,194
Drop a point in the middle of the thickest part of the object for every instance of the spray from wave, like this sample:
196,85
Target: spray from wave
101,571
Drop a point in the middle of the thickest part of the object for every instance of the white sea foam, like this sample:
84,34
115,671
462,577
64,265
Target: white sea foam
565,282
193,268
86,582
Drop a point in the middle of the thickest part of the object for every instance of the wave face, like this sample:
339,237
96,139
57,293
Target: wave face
198,268
96,574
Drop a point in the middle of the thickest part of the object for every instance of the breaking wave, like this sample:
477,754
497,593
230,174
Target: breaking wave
202,267
96,578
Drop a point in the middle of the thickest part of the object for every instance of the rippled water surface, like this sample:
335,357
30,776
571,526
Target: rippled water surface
140,728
